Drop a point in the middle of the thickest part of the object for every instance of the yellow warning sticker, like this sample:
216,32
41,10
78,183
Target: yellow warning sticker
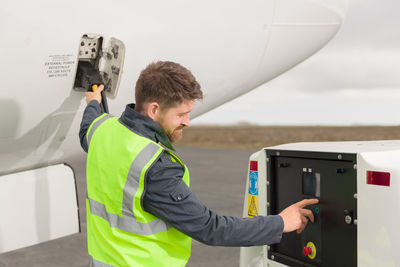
253,206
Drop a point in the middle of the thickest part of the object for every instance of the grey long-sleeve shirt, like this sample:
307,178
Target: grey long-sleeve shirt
167,197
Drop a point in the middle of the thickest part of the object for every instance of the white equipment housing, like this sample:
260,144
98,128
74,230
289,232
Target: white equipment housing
357,184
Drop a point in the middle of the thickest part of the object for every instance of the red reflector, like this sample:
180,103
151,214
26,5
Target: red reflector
378,178
253,165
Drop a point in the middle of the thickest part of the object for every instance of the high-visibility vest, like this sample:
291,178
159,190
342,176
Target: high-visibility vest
119,231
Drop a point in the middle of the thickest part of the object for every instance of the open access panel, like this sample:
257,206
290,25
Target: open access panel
332,239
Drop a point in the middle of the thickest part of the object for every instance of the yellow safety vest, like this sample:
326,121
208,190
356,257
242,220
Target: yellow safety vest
119,231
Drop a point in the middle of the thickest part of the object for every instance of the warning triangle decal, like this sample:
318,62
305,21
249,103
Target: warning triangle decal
253,206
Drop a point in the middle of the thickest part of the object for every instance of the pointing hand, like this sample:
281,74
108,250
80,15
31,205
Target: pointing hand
295,216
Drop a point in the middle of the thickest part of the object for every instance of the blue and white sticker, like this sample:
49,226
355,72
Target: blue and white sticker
253,183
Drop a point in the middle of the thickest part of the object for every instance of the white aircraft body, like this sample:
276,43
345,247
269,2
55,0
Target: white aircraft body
231,47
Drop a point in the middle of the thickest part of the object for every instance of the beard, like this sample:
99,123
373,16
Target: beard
174,135
173,132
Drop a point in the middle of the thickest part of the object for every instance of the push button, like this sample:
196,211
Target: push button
310,250
307,251
316,210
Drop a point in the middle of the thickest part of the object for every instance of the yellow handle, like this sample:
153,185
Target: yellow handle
94,87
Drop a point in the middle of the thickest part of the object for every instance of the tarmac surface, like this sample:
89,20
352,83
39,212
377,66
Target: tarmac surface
218,178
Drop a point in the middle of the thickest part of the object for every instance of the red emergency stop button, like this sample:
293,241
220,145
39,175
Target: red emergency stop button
307,251
310,250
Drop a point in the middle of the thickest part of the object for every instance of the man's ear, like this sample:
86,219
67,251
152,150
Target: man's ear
152,110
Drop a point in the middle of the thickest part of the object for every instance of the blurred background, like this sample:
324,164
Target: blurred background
354,80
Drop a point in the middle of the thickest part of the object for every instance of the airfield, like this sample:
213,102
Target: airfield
217,158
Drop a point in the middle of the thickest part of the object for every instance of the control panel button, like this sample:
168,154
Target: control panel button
310,250
316,210
307,251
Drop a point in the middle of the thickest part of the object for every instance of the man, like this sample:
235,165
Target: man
140,209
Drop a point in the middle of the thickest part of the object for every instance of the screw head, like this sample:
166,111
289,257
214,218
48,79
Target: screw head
339,156
348,219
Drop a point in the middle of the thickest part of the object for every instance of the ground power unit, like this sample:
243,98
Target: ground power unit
358,216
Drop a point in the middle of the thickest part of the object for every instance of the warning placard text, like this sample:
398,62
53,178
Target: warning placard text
59,65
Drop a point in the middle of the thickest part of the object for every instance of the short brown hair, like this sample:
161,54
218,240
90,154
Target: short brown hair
166,83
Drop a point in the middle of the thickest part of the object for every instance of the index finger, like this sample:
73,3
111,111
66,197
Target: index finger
306,202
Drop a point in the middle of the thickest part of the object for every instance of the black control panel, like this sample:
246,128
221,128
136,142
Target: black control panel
330,177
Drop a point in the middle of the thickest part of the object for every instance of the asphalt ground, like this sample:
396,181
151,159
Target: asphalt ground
218,178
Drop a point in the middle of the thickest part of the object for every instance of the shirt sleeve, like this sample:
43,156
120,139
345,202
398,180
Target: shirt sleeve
167,197
92,111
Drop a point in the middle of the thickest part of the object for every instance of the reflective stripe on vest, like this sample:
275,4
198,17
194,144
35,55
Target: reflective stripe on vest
132,183
126,223
95,125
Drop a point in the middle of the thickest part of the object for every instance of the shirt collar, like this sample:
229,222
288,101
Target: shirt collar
144,126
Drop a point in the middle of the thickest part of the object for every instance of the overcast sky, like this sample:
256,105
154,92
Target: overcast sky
354,80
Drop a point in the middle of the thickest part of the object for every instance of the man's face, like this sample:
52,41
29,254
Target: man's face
174,119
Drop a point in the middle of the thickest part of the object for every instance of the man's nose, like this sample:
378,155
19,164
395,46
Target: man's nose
186,120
